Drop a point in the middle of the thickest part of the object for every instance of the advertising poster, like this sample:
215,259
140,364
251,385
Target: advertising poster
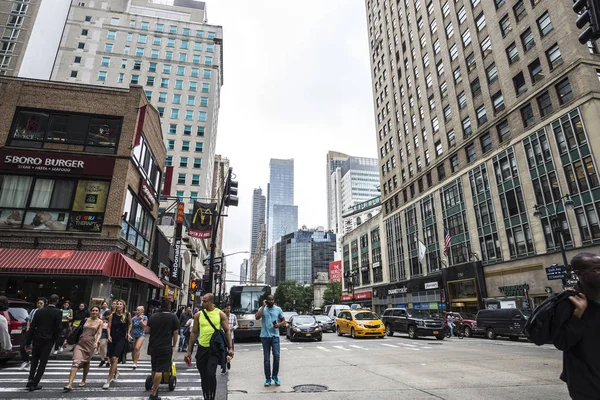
203,218
335,271
91,196
46,220
87,222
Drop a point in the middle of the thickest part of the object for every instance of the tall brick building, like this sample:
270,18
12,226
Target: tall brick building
485,116
80,169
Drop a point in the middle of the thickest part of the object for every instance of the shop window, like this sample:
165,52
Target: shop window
137,225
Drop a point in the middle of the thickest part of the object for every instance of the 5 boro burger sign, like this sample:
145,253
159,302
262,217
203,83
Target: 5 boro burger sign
55,163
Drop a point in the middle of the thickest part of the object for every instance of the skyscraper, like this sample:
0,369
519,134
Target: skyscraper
166,46
485,112
16,23
334,160
258,219
282,214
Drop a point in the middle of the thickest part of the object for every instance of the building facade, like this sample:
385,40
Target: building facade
259,203
282,214
483,135
335,160
244,271
80,173
16,22
166,47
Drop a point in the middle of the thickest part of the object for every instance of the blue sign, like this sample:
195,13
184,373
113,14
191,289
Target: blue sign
555,272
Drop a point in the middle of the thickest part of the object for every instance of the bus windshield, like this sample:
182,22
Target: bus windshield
248,299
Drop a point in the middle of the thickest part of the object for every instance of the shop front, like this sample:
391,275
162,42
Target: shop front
362,299
465,287
423,293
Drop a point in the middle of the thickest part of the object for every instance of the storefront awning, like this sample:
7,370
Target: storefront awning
33,261
125,267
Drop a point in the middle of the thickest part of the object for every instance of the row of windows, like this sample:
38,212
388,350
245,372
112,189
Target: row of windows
158,27
182,179
185,145
155,54
184,162
180,70
158,41
150,81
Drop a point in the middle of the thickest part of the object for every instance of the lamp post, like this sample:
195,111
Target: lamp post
542,210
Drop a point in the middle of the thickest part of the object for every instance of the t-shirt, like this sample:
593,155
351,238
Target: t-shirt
162,325
269,316
206,329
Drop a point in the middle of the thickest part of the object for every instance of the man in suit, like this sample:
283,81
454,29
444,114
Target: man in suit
45,329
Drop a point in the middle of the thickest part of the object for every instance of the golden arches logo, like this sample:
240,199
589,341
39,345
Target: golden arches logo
204,213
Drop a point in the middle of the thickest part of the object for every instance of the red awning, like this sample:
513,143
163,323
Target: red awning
33,261
125,267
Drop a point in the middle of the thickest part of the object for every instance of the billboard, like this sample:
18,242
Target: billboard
203,218
335,271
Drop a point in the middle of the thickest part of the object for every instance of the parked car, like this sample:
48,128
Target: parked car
303,327
467,319
16,316
503,322
326,323
359,323
414,322
287,315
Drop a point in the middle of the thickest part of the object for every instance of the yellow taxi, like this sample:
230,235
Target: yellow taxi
359,323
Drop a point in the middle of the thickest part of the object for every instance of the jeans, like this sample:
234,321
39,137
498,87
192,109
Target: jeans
183,344
451,326
207,366
39,358
271,344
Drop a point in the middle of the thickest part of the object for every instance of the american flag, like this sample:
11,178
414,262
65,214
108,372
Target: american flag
447,240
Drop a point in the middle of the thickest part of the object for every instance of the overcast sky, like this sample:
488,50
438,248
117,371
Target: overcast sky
296,85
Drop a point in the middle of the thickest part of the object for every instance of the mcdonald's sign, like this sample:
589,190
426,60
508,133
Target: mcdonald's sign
203,218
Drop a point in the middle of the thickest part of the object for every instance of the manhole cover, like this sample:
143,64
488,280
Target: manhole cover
310,388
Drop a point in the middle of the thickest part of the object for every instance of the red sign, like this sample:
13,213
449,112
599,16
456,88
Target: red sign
362,296
346,297
335,271
168,181
147,194
180,212
37,162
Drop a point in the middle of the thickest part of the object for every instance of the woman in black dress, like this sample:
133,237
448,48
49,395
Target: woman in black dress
119,329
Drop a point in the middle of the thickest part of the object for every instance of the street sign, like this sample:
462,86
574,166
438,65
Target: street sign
555,272
215,260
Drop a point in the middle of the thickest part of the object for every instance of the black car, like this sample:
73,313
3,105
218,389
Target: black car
304,327
287,315
326,323
414,322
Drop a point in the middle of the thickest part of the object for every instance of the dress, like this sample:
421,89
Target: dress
118,333
84,350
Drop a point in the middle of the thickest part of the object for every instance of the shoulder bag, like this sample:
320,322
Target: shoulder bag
76,333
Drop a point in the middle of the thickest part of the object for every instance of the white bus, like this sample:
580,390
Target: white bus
245,301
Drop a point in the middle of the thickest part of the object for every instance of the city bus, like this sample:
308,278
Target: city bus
245,301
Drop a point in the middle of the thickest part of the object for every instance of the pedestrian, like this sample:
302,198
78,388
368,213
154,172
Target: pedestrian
85,346
5,342
163,327
233,325
119,329
79,315
183,323
45,330
139,323
207,322
67,317
104,338
41,303
272,318
450,320
577,329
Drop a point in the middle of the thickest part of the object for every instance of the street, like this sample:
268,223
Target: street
399,368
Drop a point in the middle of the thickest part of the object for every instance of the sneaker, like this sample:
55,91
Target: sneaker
267,382
60,350
24,366
276,380
116,376
106,386
101,363
55,352
154,397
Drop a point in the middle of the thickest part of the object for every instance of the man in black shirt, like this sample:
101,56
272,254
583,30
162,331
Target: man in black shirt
577,331
45,330
163,327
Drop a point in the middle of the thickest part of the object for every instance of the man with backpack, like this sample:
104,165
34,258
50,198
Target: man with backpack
576,330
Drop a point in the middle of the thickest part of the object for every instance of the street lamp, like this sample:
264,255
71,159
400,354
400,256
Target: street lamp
542,210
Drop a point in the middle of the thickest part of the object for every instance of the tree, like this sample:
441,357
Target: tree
292,296
332,293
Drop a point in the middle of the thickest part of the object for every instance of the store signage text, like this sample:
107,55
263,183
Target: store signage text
514,290
59,163
399,290
362,296
147,194
176,260
431,285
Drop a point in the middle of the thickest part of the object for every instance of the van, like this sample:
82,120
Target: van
508,322
334,309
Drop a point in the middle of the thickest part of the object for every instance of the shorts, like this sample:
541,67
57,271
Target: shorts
137,335
161,361
104,334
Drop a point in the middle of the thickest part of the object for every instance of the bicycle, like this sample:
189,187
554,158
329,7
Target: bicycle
459,331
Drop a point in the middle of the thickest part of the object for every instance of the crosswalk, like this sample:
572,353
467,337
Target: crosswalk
342,346
129,386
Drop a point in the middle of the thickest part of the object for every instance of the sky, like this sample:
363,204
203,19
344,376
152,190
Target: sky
296,85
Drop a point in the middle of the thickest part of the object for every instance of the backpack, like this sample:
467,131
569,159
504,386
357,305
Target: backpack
539,326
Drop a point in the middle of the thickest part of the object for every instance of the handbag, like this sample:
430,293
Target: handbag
76,334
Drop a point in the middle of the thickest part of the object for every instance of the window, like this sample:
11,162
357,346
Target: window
503,131
174,113
447,113
197,163
154,54
449,30
519,83
205,87
535,70
519,10
544,103
564,91
439,150
462,100
160,27
161,111
454,163
498,102
476,87
554,56
466,37
139,52
471,152
512,53
185,145
172,129
492,73
114,21
433,26
527,39
206,74
177,99
200,131
142,39
73,74
441,170
77,60
446,9
505,26
187,130
480,22
462,15
204,102
195,73
135,79
486,142
193,86
211,35
137,65
453,52
527,115
179,84
172,29
168,55
181,179
425,64
196,59
451,139
444,89
457,76
152,67
121,77
189,115
466,125
544,24
428,80
184,44
437,47
156,41
102,76
471,62
183,162
105,62
162,97
170,144
150,81
435,124
164,83
199,34
195,180
191,100
180,71
210,48
81,45
486,46
108,47
481,115
208,60
432,102
202,116
199,147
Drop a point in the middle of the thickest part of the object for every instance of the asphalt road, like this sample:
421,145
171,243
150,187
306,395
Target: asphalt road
399,368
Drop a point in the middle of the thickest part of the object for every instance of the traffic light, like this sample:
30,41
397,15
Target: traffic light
193,284
231,199
589,13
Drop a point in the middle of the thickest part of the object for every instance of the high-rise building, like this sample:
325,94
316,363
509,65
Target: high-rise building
334,160
484,114
282,214
166,46
259,202
16,22
244,271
